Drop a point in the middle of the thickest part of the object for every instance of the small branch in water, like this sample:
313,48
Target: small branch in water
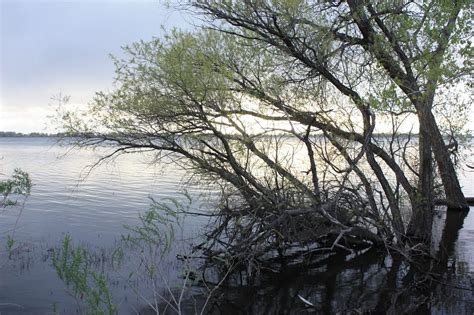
12,304
305,301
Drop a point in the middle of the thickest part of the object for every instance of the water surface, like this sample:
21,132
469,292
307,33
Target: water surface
94,206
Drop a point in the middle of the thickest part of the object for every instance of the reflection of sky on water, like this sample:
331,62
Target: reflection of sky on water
94,210
92,207
465,244
65,197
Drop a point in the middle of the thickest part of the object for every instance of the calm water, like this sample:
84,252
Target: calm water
93,207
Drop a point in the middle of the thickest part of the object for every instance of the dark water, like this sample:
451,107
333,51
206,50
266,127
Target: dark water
368,283
93,208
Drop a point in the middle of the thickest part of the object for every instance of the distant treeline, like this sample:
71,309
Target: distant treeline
31,134
59,134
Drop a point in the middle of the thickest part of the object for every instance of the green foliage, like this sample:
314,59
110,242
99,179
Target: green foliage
10,189
209,99
10,243
18,185
152,241
54,307
73,266
156,232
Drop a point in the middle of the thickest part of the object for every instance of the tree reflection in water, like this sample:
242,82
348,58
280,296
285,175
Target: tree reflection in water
369,282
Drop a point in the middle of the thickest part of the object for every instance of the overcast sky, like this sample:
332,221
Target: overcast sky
62,47
52,47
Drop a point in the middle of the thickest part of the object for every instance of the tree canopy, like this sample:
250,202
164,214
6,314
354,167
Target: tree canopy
281,105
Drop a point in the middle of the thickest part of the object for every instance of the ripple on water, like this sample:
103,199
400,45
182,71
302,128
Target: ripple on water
93,207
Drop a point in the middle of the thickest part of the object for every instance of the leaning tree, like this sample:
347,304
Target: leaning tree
281,105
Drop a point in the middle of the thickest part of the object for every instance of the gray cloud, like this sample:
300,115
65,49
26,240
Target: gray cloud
49,47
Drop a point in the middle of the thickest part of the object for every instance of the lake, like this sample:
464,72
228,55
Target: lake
93,207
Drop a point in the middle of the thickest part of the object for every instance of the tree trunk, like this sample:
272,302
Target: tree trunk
454,196
420,224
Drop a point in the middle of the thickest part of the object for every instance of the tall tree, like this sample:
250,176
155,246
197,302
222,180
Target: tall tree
420,46
278,103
